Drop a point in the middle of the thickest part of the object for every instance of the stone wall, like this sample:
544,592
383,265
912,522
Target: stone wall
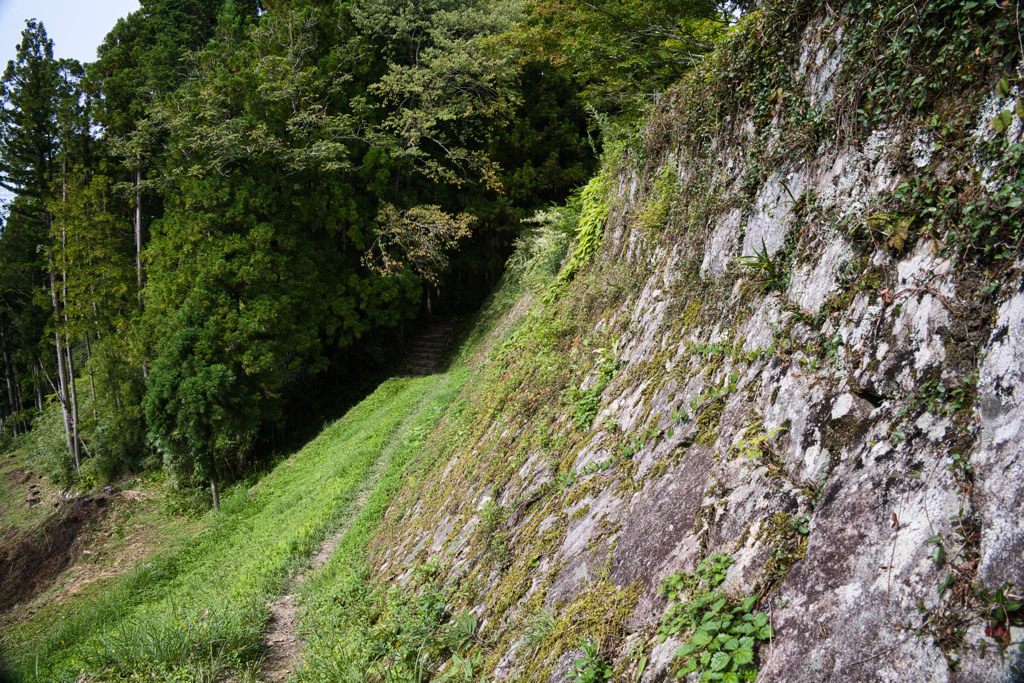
828,431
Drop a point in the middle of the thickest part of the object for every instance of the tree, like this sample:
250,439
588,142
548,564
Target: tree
257,255
39,97
23,316
198,411
28,119
622,50
144,57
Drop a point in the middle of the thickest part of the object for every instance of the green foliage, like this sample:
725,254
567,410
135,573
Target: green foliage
902,69
463,669
293,174
934,397
787,536
145,55
48,449
593,212
755,443
721,633
584,404
988,223
716,393
591,667
539,253
1002,610
495,541
624,50
198,412
538,629
417,239
770,272
35,91
926,75
659,205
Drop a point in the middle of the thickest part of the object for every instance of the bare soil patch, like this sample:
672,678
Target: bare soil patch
31,558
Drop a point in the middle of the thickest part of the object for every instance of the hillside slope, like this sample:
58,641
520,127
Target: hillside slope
200,612
791,372
748,408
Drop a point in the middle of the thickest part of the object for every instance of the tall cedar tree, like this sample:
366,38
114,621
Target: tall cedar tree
40,100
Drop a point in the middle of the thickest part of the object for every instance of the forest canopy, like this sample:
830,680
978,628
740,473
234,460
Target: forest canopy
234,208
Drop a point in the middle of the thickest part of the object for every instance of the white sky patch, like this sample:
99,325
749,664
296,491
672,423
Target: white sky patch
75,27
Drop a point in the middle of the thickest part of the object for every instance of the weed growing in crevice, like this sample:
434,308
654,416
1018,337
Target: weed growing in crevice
756,444
593,212
769,271
787,536
963,600
539,628
493,538
936,398
584,404
721,633
591,667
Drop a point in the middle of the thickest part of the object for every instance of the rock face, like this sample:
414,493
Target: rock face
850,434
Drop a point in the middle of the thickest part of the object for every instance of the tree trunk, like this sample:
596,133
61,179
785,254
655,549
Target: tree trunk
138,249
62,392
138,234
92,378
115,386
10,384
74,403
216,496
37,380
68,382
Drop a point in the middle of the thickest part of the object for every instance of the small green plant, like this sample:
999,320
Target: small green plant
678,417
462,632
713,392
934,397
591,667
584,404
800,524
539,627
769,272
721,632
754,443
939,553
596,467
635,444
961,468
495,541
1002,610
463,669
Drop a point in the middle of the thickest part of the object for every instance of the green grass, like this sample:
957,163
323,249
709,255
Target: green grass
15,474
198,614
342,602
197,611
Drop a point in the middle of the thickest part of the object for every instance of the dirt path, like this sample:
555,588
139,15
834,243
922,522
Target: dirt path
282,647
281,644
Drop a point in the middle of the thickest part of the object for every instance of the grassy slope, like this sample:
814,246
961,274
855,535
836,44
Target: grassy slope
199,612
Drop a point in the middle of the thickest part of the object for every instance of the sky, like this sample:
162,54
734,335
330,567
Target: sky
76,27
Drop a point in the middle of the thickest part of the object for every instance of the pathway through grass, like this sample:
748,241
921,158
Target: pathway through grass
281,643
201,613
